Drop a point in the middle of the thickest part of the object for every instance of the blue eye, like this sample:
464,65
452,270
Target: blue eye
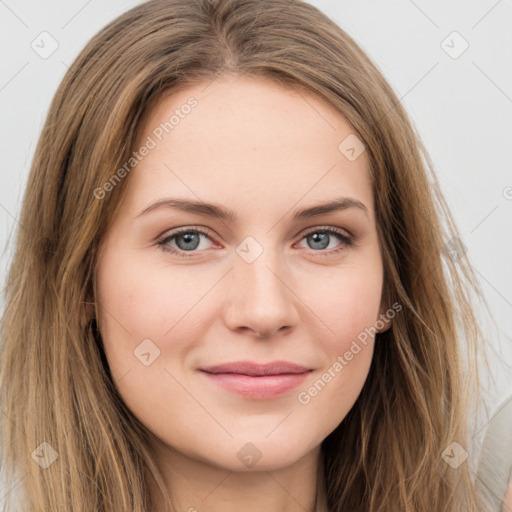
187,240
321,238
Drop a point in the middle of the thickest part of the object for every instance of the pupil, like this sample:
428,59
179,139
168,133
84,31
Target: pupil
321,238
188,237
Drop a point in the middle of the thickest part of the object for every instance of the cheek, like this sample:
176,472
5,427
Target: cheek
347,358
141,297
140,300
350,308
137,310
347,304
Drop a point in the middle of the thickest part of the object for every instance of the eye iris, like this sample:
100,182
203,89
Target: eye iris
190,240
322,238
189,237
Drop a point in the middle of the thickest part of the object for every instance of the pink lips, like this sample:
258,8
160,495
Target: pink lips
255,380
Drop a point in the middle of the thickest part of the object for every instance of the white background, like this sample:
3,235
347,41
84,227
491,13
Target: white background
462,108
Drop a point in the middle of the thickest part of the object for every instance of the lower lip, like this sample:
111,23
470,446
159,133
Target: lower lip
267,386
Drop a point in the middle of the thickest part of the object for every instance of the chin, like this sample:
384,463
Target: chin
258,454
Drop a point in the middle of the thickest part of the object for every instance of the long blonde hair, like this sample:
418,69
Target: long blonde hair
55,388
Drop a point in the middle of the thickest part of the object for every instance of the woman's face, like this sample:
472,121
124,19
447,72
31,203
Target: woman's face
268,284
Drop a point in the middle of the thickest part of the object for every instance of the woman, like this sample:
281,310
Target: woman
164,346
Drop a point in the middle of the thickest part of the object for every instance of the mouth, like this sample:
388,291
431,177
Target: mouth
258,381
254,369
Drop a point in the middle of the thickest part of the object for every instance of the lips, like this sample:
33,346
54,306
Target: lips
257,381
256,369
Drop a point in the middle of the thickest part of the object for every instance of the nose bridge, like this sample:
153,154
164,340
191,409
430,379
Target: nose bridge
259,296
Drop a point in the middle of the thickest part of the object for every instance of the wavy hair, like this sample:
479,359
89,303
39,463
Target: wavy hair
55,385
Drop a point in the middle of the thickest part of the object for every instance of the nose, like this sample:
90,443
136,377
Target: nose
260,298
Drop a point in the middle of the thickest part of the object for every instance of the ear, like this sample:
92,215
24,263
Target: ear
90,310
384,321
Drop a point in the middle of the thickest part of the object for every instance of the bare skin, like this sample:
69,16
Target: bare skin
263,151
507,505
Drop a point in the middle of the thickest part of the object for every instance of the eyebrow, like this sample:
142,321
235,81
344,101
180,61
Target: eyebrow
219,212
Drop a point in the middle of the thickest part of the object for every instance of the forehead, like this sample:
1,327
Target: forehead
247,142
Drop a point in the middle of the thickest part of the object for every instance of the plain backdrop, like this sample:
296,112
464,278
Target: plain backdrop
450,63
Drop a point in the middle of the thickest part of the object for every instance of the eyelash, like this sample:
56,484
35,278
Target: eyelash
348,241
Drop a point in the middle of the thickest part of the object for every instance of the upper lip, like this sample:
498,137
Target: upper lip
256,369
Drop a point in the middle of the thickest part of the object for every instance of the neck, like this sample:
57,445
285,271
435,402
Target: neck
195,485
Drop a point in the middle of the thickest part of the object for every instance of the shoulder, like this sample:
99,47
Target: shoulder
495,463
